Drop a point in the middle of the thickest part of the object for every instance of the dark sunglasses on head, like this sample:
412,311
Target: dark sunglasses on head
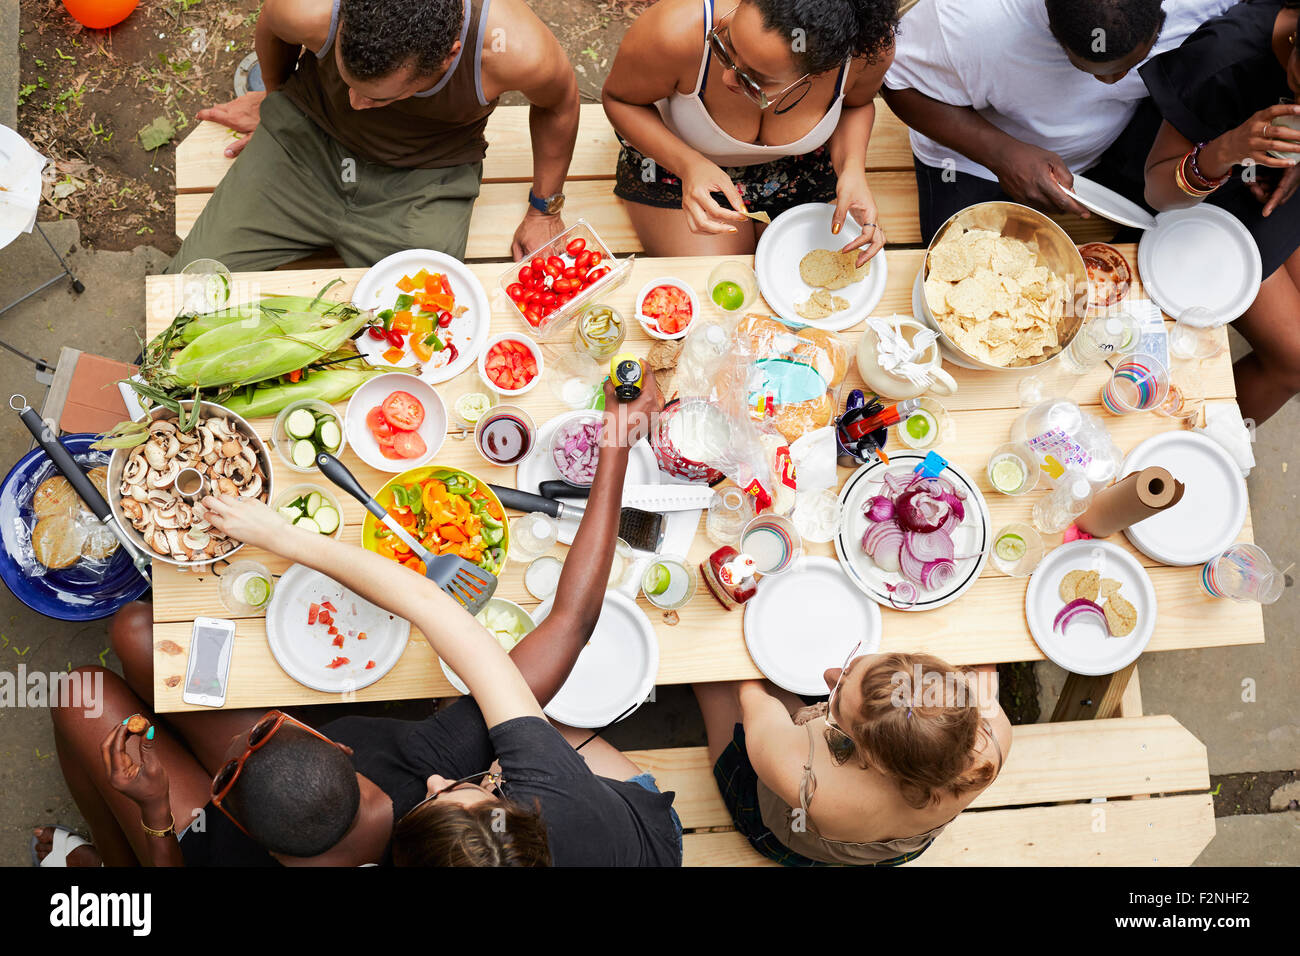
262,731
719,40
484,780
840,743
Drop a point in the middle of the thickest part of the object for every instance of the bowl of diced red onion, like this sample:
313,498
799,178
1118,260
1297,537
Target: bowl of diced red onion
575,448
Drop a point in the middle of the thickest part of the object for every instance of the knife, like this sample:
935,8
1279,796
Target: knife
660,498
80,482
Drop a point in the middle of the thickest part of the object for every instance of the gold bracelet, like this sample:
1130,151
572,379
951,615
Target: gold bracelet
169,831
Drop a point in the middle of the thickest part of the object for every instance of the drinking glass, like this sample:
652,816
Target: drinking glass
1138,384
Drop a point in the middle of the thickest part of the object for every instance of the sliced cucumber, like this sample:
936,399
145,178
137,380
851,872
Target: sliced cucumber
330,435
307,525
314,502
304,453
290,513
300,424
327,519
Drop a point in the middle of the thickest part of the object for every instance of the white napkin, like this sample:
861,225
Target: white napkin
18,200
899,357
1223,423
813,455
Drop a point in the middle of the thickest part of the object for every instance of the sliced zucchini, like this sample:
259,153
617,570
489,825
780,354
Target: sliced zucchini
307,525
290,513
327,519
304,453
314,502
300,423
330,435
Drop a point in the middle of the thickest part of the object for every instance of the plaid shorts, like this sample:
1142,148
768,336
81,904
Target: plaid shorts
738,784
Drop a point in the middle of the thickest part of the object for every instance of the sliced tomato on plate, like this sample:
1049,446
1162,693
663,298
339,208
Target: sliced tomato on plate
409,445
403,411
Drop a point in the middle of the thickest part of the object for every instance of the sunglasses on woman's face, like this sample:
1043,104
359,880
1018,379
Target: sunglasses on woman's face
756,92
484,780
262,731
840,743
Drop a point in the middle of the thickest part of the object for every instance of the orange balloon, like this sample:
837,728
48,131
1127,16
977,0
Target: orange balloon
100,14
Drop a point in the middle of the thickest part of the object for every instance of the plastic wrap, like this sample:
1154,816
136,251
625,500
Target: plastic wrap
56,531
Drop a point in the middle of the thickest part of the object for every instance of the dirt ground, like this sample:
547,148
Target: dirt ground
85,95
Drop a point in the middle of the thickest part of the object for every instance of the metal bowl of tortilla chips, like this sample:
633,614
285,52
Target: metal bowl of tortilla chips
1004,286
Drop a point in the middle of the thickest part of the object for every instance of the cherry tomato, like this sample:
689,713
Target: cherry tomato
596,256
549,298
595,275
515,290
377,332
395,339
583,260
564,285
533,315
403,411
554,266
538,266
444,319
526,275
582,272
575,246
571,272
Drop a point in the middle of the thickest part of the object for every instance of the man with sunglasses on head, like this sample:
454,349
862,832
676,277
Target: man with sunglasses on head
1010,99
257,788
726,107
370,137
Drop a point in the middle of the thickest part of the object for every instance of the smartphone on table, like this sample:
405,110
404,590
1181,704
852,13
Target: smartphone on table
212,644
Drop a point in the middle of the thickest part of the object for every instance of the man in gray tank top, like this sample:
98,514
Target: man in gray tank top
370,139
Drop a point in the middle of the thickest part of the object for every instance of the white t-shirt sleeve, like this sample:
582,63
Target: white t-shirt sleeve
923,61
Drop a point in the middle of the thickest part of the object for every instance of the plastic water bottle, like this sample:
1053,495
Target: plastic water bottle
1056,511
1097,341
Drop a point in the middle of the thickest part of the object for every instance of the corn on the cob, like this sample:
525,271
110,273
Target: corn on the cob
329,385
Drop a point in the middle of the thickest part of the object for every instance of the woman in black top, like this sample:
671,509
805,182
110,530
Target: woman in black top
1224,95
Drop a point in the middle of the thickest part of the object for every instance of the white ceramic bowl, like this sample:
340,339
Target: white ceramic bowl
533,347
651,328
433,429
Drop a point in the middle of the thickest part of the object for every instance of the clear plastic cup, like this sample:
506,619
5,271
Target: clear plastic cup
669,584
205,286
1013,469
532,535
1140,383
246,587
1017,549
733,286
1195,335
1243,573
772,542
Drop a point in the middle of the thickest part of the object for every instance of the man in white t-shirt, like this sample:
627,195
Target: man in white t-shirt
1009,98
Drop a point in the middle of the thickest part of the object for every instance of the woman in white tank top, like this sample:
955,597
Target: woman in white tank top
731,105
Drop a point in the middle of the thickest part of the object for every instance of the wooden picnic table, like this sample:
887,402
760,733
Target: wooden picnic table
987,625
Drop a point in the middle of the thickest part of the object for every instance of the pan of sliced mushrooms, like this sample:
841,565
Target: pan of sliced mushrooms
156,495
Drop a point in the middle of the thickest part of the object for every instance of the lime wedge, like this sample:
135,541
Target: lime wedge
657,579
257,590
1007,474
919,424
729,295
1010,547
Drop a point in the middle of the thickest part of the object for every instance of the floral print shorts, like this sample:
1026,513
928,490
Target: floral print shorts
767,187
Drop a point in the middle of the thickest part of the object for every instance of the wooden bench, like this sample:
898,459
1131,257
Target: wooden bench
508,170
1151,771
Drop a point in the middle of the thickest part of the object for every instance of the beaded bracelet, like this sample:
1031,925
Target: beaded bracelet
1205,181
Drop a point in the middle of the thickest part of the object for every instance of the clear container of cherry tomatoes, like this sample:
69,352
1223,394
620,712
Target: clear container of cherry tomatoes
549,287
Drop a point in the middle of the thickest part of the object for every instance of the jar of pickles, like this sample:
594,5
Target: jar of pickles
599,331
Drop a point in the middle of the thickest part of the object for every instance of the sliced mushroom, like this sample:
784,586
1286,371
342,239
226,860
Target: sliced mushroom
227,487
139,492
133,510
196,540
253,489
156,455
164,479
134,469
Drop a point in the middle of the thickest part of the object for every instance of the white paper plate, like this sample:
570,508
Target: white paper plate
451,675
971,536
1109,204
614,672
642,469
303,651
792,235
1085,649
378,289
806,620
1200,256
433,429
1213,507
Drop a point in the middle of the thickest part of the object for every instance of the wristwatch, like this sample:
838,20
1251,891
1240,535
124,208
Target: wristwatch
551,205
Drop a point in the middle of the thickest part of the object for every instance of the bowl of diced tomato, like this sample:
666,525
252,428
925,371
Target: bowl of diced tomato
665,307
511,364
447,510
395,422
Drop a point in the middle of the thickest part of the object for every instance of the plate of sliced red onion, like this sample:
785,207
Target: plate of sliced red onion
910,541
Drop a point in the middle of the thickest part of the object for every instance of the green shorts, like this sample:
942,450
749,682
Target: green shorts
294,190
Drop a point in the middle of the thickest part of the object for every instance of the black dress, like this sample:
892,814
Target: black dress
1217,79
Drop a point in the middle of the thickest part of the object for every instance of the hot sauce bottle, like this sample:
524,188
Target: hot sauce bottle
730,577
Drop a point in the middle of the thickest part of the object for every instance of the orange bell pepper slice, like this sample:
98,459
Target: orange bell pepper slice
406,283
394,355
384,548
402,321
450,532
420,329
415,564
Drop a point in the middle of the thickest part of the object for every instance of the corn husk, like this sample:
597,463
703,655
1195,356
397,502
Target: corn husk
328,385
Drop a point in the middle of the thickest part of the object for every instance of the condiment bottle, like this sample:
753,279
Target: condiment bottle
730,577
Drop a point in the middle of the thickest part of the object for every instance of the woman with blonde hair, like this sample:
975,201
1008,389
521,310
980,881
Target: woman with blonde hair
870,777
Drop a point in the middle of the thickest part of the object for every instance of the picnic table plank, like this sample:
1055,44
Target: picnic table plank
201,162
708,644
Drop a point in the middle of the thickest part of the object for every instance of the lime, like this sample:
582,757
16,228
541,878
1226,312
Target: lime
1007,474
657,579
729,295
919,424
257,590
1010,547
472,406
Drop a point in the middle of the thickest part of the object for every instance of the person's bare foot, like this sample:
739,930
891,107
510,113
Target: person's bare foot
85,855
